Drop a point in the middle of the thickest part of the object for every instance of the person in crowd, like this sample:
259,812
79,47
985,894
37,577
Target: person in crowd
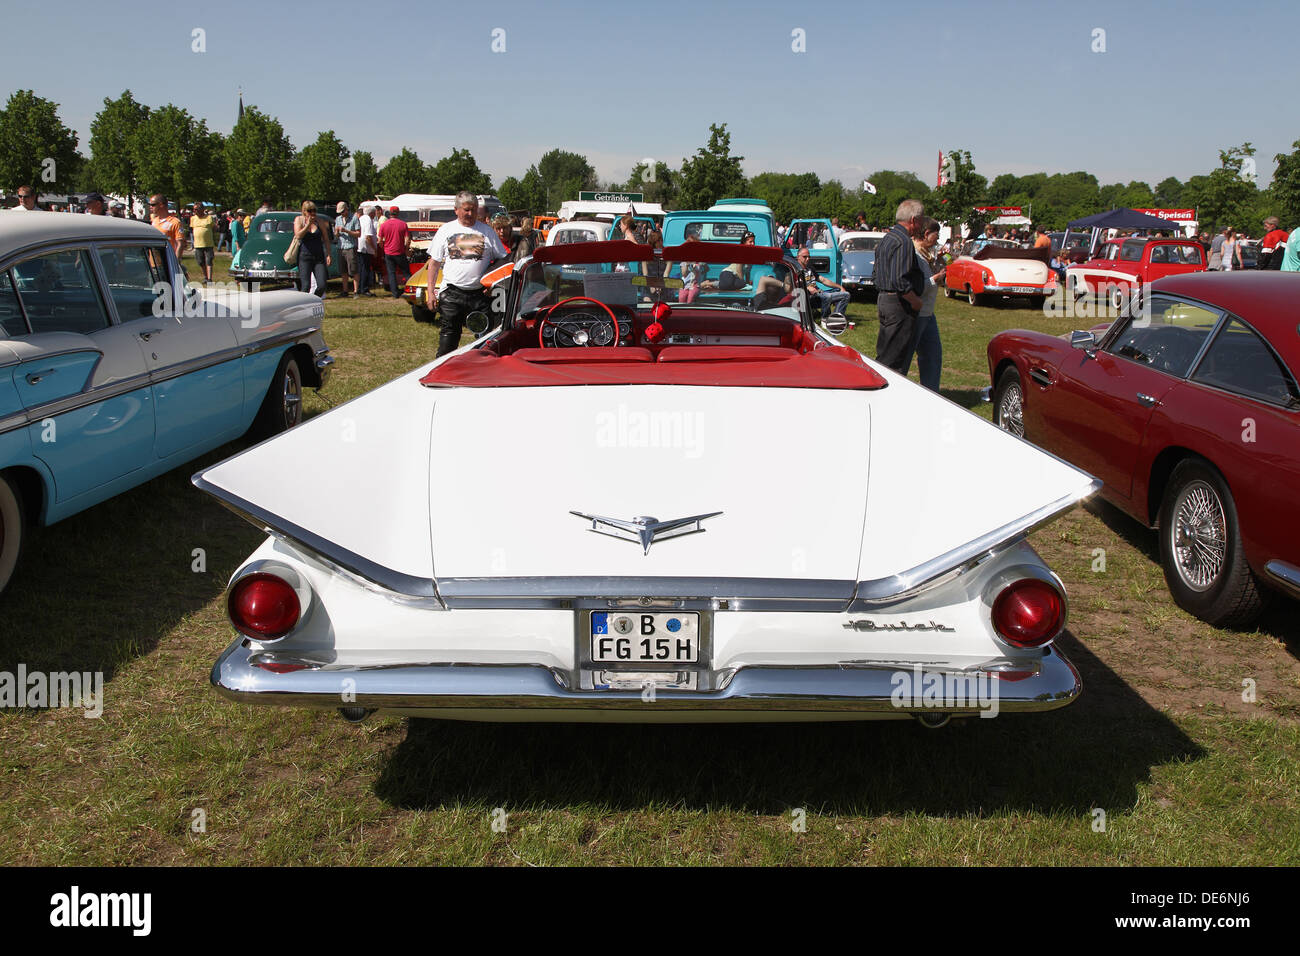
861,224
482,214
313,250
505,230
693,274
1230,251
202,226
899,284
395,238
1041,239
266,206
117,210
166,223
367,245
1291,253
26,200
460,255
347,249
836,231
828,302
1273,246
96,205
223,230
238,232
989,235
1216,251
780,234
1204,240
929,348
526,242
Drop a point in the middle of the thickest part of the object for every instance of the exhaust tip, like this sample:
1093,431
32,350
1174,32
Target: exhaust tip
933,721
355,715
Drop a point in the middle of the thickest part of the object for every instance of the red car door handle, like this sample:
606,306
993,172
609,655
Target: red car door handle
1150,401
1041,376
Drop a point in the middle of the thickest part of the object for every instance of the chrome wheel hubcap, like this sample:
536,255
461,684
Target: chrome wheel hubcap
1011,411
1199,533
292,399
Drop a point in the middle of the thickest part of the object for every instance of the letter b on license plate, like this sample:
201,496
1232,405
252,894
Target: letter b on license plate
645,637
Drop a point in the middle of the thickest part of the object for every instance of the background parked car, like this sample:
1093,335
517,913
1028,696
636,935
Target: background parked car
269,236
105,384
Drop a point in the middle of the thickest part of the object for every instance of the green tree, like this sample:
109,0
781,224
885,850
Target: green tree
533,191
562,176
175,154
367,178
1169,194
1227,196
512,194
955,200
112,156
659,186
713,173
260,160
323,165
1285,191
404,173
35,147
458,171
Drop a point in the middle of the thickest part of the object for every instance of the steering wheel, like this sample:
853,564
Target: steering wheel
541,325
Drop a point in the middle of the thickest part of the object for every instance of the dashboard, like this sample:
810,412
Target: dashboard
580,327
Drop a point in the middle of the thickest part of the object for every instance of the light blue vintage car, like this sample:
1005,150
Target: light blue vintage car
112,371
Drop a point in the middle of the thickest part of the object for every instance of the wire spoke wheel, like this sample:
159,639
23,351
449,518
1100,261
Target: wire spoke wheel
1199,536
1011,410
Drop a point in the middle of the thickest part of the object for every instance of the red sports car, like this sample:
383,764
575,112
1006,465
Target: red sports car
1187,408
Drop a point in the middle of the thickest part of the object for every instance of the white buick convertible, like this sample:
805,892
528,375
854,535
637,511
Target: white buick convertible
649,498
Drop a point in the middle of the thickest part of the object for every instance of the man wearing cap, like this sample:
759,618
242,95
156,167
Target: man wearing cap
203,229
347,248
118,210
238,233
395,238
95,205
468,247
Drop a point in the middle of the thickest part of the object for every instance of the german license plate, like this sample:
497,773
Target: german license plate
643,637
1024,288
260,273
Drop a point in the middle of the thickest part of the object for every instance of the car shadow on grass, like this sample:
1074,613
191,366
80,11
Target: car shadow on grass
1094,753
965,397
103,587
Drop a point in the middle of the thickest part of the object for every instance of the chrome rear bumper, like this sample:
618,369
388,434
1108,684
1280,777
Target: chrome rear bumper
245,674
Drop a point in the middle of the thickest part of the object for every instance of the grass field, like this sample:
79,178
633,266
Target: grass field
1161,747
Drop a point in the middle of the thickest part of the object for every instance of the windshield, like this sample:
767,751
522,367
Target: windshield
769,288
860,244
275,225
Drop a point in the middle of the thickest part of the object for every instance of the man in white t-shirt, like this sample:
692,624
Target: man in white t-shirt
367,237
461,253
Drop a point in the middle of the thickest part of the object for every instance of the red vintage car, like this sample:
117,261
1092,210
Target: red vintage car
995,267
1187,408
1123,266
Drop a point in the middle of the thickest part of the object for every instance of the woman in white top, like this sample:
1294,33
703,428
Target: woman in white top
929,350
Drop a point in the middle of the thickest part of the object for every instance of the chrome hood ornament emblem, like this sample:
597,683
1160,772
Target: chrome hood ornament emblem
645,530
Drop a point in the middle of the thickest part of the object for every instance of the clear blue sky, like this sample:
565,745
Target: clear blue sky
880,86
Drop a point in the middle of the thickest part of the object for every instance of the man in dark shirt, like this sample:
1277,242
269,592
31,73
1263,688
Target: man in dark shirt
899,283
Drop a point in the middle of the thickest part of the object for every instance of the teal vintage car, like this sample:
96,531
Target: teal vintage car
818,236
262,254
113,369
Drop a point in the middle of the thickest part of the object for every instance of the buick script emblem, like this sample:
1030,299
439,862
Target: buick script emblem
900,626
645,530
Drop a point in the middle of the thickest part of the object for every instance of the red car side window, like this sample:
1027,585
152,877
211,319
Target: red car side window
1239,361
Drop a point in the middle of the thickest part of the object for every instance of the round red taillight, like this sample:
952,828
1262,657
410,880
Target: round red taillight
1028,612
263,606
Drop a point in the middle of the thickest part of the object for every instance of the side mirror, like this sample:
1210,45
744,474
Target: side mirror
1084,340
835,324
478,323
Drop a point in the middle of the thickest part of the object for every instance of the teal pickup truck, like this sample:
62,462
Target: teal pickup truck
721,224
819,238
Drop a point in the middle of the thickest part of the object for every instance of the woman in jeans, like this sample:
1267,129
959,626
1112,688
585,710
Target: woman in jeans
313,249
929,350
